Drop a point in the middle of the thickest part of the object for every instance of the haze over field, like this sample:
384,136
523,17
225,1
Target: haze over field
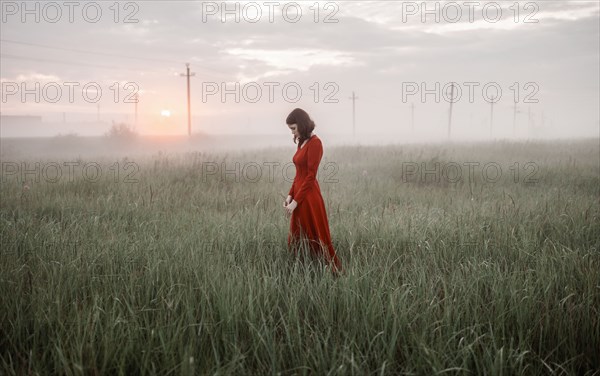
165,269
381,51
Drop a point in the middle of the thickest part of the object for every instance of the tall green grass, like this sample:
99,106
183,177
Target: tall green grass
183,273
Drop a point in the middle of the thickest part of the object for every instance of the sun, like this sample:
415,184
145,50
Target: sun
165,113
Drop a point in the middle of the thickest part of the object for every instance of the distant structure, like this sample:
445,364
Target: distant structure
48,125
19,119
11,124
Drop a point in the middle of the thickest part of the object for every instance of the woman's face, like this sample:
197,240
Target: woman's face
294,129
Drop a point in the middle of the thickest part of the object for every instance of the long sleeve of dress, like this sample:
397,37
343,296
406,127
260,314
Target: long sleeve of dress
314,154
291,193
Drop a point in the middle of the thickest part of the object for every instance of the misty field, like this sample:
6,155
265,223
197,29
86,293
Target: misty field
460,259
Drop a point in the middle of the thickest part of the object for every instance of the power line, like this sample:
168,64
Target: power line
88,52
16,57
212,71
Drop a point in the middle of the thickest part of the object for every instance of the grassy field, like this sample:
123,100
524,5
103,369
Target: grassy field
174,270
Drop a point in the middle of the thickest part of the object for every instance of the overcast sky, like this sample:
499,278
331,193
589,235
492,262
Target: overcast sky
373,48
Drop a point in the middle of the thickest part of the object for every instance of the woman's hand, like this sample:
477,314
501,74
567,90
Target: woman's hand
290,208
287,201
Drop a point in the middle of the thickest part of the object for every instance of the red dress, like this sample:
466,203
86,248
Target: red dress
309,219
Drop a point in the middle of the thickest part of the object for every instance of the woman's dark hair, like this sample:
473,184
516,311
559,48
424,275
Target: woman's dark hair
303,122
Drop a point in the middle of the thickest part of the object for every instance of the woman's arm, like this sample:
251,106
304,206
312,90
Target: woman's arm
314,154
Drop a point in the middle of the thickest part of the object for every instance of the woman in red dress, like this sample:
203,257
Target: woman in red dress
304,202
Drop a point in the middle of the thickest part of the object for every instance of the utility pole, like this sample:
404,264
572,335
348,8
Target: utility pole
354,98
516,111
450,111
543,123
188,75
412,117
492,116
529,120
515,119
135,122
